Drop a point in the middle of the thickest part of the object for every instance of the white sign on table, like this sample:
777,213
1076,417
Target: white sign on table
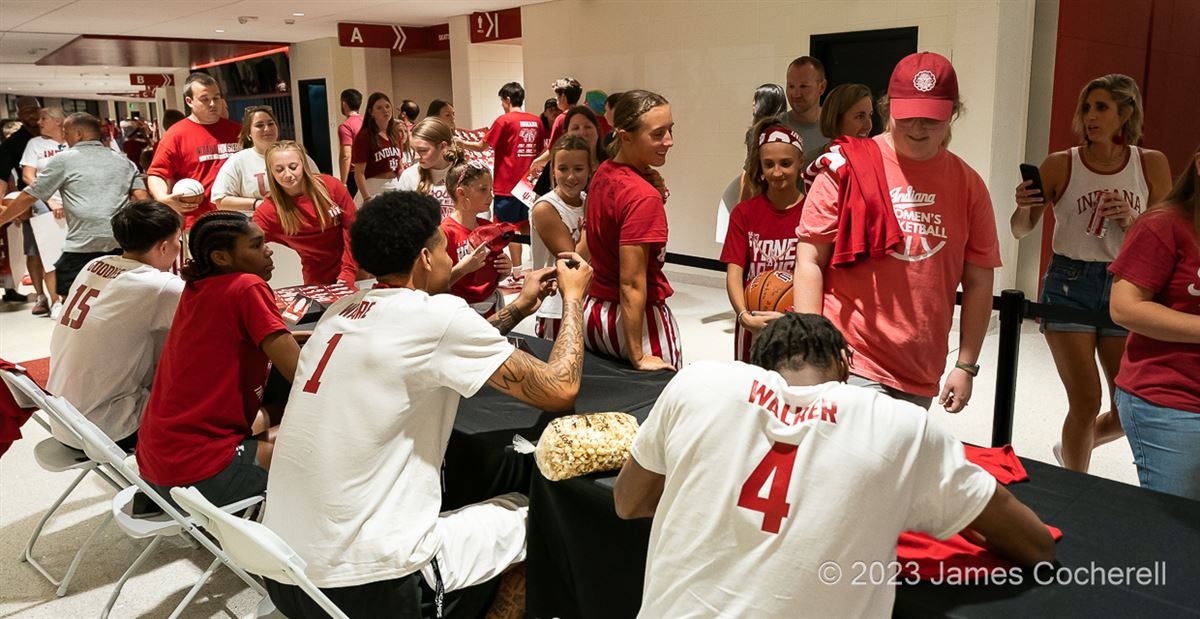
50,234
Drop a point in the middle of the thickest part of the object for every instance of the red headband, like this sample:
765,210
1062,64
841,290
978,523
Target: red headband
780,133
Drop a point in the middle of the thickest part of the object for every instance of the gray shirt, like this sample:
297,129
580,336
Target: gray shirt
93,182
814,142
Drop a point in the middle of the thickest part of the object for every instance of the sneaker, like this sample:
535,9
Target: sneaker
41,307
12,296
55,311
1057,450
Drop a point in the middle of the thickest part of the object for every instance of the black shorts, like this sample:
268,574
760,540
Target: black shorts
241,479
68,267
407,597
509,209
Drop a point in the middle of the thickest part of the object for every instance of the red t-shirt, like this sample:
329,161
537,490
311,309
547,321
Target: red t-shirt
761,237
517,139
625,209
472,287
324,254
384,161
1160,254
896,311
192,150
207,388
558,128
349,129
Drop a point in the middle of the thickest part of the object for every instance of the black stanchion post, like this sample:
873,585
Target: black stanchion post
1012,312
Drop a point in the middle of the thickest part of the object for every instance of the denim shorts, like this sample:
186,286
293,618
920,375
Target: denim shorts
1165,443
1081,285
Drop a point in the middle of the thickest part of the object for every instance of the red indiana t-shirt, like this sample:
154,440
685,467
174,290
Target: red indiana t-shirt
1160,255
896,311
473,287
324,254
625,209
517,139
761,237
192,150
384,161
207,388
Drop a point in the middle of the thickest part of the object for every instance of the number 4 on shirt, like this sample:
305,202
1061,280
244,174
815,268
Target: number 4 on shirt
777,466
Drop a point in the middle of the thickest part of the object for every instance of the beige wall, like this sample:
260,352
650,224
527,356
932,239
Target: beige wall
479,70
1037,142
707,56
421,79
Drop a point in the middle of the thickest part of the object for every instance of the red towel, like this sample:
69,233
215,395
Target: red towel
952,558
12,416
867,225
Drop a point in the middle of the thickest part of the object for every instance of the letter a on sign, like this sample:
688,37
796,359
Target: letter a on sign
356,36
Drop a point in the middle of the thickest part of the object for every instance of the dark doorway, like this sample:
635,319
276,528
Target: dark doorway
863,57
314,122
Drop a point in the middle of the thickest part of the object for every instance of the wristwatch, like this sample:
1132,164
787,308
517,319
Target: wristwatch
969,368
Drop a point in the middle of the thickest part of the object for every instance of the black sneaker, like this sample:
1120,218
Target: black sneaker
12,296
144,507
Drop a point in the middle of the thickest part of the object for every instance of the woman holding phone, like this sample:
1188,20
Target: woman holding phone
1097,190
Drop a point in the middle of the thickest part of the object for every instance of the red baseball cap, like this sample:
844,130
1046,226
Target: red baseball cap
923,85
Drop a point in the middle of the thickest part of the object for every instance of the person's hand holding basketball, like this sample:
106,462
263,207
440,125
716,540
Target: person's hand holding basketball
755,321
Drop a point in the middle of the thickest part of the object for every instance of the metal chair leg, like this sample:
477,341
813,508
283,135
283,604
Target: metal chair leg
66,581
191,594
112,599
27,556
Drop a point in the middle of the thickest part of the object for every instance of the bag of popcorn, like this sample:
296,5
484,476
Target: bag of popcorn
581,444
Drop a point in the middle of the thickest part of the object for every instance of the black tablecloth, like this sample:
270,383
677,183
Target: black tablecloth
583,561
480,462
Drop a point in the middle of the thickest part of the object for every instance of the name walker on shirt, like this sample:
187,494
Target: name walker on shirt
765,398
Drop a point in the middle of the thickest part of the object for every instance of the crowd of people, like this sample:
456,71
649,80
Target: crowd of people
878,233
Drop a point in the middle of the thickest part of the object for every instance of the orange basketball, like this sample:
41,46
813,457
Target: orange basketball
771,291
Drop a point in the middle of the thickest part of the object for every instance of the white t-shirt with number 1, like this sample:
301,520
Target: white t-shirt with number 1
106,344
766,484
355,475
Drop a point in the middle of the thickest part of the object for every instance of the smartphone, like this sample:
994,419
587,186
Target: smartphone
1030,172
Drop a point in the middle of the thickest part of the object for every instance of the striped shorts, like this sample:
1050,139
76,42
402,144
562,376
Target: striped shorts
547,328
742,340
660,332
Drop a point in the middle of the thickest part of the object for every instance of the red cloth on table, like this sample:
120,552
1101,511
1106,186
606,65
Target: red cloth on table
935,558
12,416
867,225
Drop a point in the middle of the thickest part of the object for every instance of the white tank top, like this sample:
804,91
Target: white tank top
572,216
1084,192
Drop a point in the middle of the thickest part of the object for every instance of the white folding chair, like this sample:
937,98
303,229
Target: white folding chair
102,449
253,547
55,457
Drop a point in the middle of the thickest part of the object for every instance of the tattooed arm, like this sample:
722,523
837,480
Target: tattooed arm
551,385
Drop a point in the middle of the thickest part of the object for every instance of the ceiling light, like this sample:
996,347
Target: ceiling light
219,30
297,14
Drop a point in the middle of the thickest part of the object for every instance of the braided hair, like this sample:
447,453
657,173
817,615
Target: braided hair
797,340
215,231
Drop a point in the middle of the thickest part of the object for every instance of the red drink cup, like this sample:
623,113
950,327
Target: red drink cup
1098,224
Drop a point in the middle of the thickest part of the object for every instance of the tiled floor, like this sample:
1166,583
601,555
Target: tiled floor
705,321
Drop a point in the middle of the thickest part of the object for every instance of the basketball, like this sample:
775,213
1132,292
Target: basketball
771,291
189,190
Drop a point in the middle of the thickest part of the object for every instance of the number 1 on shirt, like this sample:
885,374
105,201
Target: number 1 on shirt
314,382
779,460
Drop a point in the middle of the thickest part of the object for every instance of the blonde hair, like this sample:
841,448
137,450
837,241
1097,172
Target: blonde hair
627,115
436,131
314,189
1125,93
571,142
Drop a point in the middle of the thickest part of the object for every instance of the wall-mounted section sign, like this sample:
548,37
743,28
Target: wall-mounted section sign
496,25
150,80
400,39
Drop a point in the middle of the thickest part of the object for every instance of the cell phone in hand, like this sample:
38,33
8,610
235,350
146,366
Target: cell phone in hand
1030,172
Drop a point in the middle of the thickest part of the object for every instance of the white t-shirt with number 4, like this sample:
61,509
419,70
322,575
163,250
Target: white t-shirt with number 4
769,485
106,344
355,475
